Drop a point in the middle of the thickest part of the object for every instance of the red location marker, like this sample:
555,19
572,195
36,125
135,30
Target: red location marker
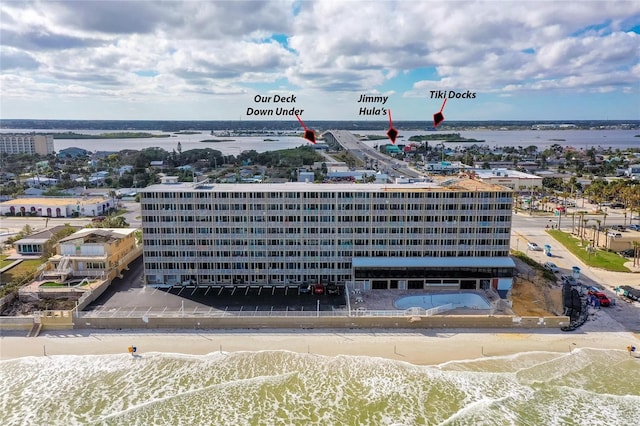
392,133
438,117
309,135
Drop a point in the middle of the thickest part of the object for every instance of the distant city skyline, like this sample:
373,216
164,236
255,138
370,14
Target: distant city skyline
208,60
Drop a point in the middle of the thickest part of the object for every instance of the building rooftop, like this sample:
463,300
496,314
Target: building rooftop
451,183
53,202
104,234
500,173
42,236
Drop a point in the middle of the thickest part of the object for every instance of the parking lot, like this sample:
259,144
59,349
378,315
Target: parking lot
129,294
259,298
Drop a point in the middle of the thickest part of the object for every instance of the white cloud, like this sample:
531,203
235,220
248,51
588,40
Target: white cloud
201,49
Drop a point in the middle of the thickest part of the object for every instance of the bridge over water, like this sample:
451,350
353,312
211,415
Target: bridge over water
347,141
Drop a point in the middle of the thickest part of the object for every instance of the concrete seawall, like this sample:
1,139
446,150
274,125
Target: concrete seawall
440,321
68,320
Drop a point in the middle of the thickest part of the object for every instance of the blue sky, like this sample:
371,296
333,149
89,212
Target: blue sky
207,60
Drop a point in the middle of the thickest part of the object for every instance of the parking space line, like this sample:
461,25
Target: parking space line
181,291
208,288
260,291
194,290
246,291
220,292
234,290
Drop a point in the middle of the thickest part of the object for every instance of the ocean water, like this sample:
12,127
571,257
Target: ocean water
584,387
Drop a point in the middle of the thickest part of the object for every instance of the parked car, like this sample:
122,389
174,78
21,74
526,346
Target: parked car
332,289
614,234
568,279
629,292
318,288
602,298
634,227
533,247
551,267
305,289
627,252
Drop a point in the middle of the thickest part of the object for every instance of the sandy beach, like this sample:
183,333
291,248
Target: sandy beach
428,347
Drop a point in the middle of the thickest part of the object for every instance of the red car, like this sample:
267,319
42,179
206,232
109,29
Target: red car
602,298
318,289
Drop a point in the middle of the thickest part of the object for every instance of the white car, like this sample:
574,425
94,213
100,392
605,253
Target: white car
533,247
551,267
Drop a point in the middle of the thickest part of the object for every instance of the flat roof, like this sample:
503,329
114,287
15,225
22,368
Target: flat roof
504,173
42,236
55,202
450,184
116,233
433,262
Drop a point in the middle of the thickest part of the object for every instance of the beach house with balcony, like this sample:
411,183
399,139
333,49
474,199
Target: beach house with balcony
93,253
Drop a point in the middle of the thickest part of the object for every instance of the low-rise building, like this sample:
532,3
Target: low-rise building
56,206
516,180
34,244
73,152
93,253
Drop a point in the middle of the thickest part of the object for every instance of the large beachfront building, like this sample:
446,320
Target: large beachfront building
453,234
26,143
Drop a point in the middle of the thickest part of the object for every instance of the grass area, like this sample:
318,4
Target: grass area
53,284
25,267
56,284
4,262
599,259
17,276
535,265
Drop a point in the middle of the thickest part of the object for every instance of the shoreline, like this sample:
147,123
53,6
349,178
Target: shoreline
424,347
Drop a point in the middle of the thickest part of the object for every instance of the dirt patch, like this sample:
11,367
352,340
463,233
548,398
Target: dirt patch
27,308
536,297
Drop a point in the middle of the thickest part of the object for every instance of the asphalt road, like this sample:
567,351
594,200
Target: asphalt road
532,229
386,164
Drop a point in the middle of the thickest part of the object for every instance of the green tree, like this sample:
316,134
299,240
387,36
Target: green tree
49,248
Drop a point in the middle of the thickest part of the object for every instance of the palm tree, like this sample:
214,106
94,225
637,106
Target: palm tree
597,238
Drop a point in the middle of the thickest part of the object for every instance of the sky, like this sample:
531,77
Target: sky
210,60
